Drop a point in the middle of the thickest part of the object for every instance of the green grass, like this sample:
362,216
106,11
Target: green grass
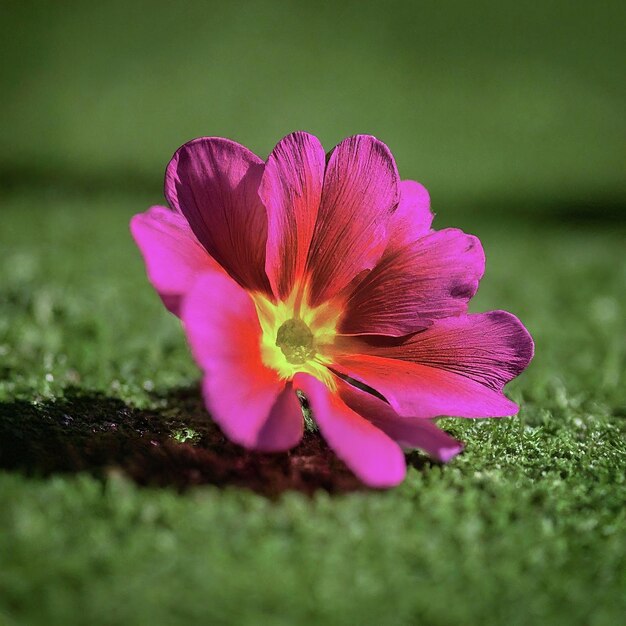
527,526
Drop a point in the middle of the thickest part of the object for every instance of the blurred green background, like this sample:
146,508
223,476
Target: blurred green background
511,113
511,105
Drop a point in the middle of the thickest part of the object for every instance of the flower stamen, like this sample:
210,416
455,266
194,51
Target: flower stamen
296,341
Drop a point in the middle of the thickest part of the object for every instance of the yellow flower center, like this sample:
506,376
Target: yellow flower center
297,337
296,341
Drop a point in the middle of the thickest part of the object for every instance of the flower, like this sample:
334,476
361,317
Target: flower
320,275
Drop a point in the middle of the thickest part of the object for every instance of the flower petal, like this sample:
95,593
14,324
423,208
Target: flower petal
430,278
458,366
413,217
367,451
246,398
214,183
284,426
360,193
174,257
409,432
291,190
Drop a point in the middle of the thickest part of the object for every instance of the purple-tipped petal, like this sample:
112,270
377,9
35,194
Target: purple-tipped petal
291,190
458,366
359,196
409,432
430,278
375,458
214,183
246,398
174,257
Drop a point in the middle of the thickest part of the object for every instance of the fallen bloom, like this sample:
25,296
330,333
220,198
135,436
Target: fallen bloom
322,275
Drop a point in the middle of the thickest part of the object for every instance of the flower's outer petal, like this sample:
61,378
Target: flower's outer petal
458,366
284,426
246,398
214,183
360,194
413,217
376,459
174,257
291,190
409,432
427,279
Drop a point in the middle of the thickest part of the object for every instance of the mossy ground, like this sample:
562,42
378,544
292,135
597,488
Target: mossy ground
122,504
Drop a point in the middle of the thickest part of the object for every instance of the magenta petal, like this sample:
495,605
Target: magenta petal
214,182
246,398
375,458
174,258
413,217
360,193
430,278
409,432
284,426
458,366
291,190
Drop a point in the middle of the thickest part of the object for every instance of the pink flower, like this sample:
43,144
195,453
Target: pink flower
321,275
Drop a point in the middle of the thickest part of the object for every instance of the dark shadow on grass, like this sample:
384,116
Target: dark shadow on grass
177,445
